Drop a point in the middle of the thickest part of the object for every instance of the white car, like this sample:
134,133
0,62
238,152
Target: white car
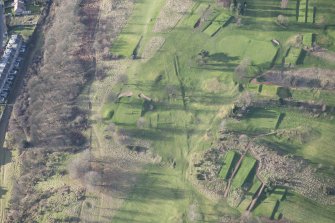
6,87
4,94
2,100
13,72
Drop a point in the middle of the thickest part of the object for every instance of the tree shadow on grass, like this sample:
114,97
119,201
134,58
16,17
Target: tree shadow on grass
2,192
6,156
222,57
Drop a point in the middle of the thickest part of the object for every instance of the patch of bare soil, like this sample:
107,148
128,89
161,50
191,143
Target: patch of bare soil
154,44
283,170
326,55
170,15
302,78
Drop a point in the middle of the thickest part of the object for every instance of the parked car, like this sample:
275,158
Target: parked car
11,77
6,87
23,49
2,100
4,94
13,72
17,64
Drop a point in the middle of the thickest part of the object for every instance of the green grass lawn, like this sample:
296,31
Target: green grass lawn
307,39
188,104
269,206
217,24
256,121
302,10
261,120
125,45
250,194
269,90
25,30
323,96
128,111
299,209
248,164
228,164
196,14
293,56
162,195
255,186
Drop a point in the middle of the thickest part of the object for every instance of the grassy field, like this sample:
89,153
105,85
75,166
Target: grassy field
196,14
191,95
125,45
270,204
318,131
217,24
257,121
293,56
302,11
128,111
246,168
228,164
250,194
300,209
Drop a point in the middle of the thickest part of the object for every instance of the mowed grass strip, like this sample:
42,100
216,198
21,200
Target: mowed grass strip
196,15
307,39
300,209
310,13
249,195
129,111
217,24
269,90
228,164
302,11
269,206
292,57
255,186
257,121
248,163
125,45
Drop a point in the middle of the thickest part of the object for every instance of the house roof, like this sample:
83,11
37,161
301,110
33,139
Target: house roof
19,6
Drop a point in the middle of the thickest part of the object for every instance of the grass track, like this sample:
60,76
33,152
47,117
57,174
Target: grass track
229,162
179,132
244,171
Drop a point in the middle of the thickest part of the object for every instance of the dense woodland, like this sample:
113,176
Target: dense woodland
47,121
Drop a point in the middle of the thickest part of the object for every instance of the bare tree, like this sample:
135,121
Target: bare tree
171,90
224,3
282,20
122,79
241,71
93,178
284,4
141,123
80,165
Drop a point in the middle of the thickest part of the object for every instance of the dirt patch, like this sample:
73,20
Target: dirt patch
291,172
170,15
329,56
307,77
154,44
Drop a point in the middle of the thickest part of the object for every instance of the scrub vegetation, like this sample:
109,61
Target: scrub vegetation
178,111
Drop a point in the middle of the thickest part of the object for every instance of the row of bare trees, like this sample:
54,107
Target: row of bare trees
47,119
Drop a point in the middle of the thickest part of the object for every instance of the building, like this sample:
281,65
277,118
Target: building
3,26
8,59
19,7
